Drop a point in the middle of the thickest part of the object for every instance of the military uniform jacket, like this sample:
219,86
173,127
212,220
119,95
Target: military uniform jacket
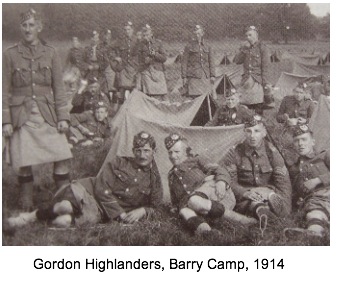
225,116
295,109
86,101
310,167
145,58
28,77
188,176
197,59
256,62
122,185
263,167
101,61
127,50
101,129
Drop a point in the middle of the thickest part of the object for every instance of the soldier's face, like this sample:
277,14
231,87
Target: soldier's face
101,114
128,31
147,35
139,35
232,101
251,36
178,153
30,30
299,94
94,88
95,40
304,144
255,135
107,37
144,155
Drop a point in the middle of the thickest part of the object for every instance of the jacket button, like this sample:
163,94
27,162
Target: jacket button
33,84
33,96
185,186
32,60
33,72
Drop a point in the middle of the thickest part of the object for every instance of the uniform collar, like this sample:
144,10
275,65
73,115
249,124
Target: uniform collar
143,168
260,151
26,51
184,166
309,156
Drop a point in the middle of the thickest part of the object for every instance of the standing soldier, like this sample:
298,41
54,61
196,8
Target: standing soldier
232,113
260,179
34,107
95,59
255,57
311,182
107,47
126,64
151,57
197,65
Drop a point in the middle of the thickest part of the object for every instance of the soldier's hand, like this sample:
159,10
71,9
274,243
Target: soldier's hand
7,130
62,126
292,121
212,79
221,189
135,215
173,210
122,216
301,120
311,184
253,196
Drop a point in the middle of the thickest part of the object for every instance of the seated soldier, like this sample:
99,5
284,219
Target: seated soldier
259,177
90,126
297,107
127,190
232,113
86,100
311,183
197,187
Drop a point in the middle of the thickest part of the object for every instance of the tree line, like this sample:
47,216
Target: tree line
173,22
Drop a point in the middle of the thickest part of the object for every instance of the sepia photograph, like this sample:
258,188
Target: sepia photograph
180,124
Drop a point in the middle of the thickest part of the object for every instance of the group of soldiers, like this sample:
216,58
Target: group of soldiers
250,184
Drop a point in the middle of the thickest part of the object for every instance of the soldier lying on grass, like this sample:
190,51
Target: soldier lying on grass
127,190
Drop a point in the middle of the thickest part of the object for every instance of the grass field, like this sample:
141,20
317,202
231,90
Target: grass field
165,228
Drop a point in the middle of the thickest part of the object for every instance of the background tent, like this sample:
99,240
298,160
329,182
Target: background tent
309,70
320,124
141,112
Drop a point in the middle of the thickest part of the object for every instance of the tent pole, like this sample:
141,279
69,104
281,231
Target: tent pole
209,106
224,84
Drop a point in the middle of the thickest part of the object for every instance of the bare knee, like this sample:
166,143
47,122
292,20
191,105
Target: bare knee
199,204
62,221
63,207
187,213
61,167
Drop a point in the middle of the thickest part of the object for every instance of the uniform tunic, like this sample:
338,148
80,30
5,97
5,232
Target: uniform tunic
101,129
226,116
295,109
198,67
94,56
75,58
152,80
34,101
310,167
185,179
261,167
122,186
256,66
86,101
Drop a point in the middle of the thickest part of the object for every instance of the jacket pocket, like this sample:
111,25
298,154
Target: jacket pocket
46,73
20,77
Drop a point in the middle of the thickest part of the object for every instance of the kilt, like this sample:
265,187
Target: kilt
126,78
318,200
36,142
197,87
252,92
153,82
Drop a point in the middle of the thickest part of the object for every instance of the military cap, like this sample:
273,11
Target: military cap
128,24
93,80
253,120
172,139
101,104
300,129
146,28
143,138
31,13
198,27
251,28
231,91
